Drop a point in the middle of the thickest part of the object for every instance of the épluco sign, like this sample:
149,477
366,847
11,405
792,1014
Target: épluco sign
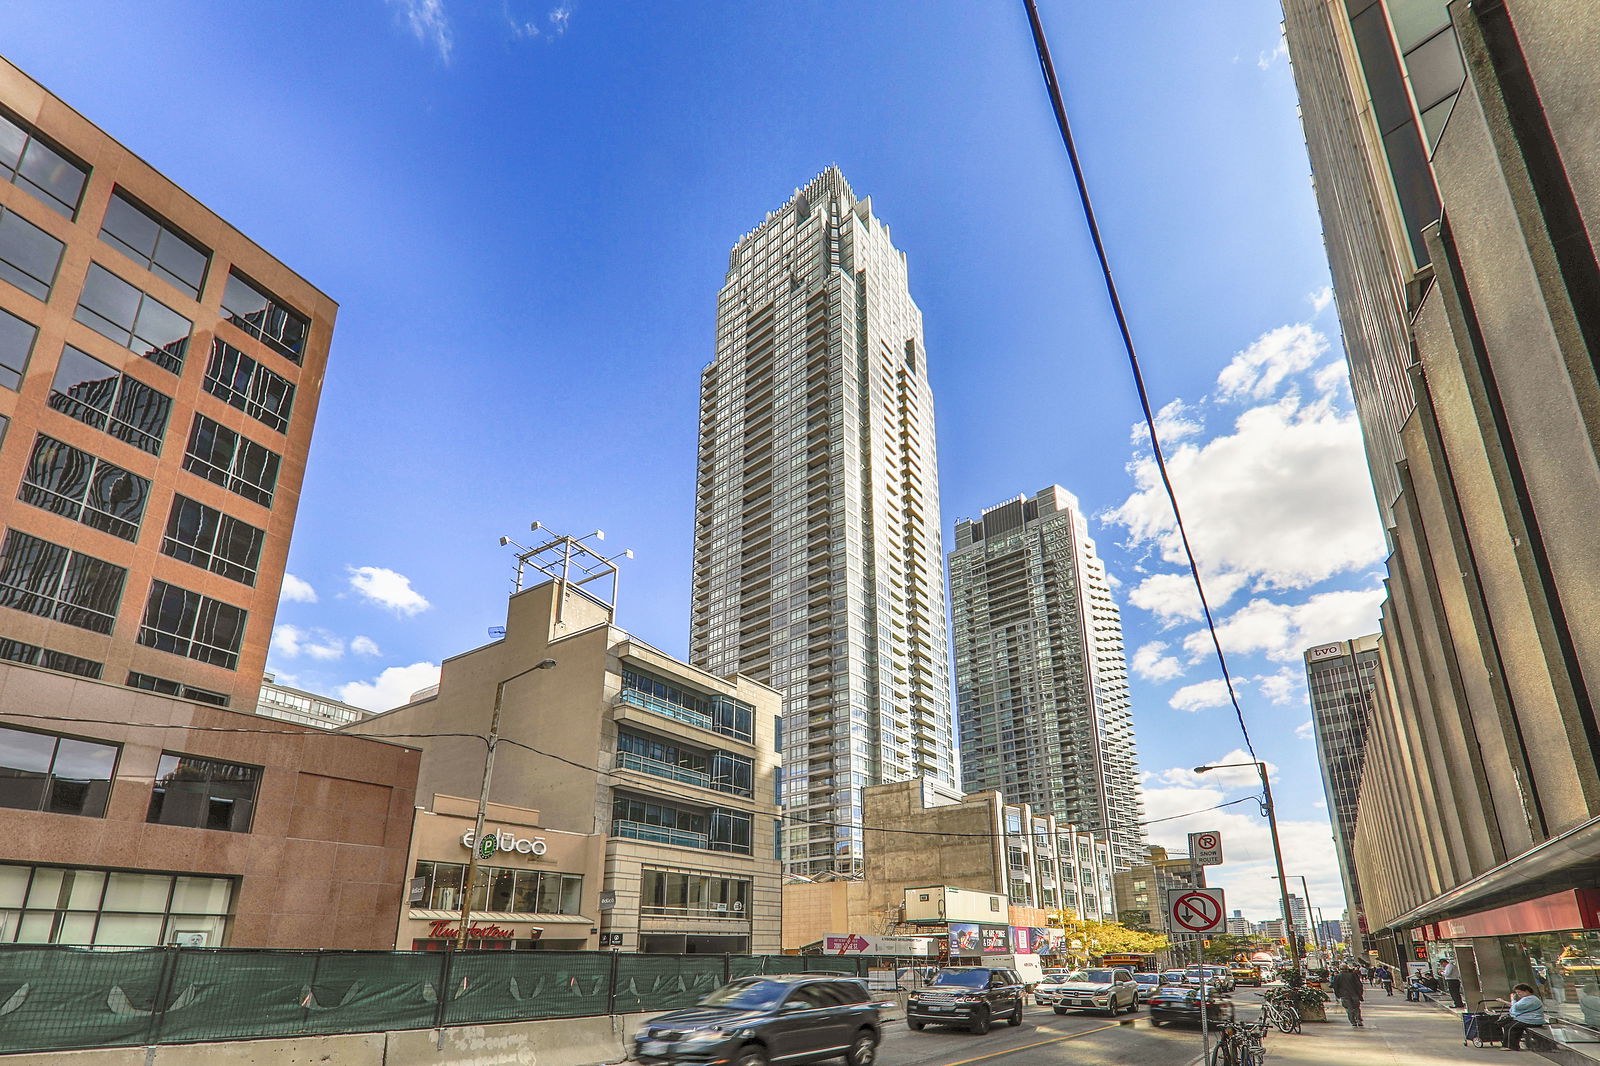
504,840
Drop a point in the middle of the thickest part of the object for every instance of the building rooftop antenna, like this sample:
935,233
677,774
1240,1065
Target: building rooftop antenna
571,561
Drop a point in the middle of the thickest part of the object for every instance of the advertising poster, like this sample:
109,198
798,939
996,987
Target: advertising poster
1039,942
996,940
1021,938
963,939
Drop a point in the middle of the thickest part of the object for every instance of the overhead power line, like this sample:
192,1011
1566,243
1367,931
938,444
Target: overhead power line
1053,86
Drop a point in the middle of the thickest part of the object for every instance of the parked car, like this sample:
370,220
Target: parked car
757,1020
1181,1003
1148,983
971,996
1110,990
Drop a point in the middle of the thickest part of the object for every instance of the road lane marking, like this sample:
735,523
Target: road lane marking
1042,1043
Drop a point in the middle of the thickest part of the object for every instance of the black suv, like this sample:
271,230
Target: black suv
756,1020
972,996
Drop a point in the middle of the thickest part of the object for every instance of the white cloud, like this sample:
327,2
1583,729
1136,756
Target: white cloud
364,646
296,590
428,23
1203,695
1174,422
1284,687
388,589
1335,377
1153,664
292,641
1172,597
1268,60
1233,777
1284,500
559,19
1262,367
1305,730
1321,299
391,688
1284,630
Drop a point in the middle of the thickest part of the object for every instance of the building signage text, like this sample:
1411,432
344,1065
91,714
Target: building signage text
475,932
1325,651
505,840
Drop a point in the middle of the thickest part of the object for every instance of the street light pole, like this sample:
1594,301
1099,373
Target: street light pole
1316,934
1292,934
492,741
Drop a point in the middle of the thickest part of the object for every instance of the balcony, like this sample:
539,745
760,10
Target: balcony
627,760
660,834
654,705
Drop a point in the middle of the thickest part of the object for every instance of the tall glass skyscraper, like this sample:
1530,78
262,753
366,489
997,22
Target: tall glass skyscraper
1041,676
1342,679
817,558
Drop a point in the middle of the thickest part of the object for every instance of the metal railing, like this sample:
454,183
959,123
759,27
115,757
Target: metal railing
661,834
627,760
638,699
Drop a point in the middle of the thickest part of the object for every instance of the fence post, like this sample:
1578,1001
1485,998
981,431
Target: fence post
611,986
158,1008
727,968
446,964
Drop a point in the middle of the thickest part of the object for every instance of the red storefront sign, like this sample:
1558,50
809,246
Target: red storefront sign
446,931
1577,908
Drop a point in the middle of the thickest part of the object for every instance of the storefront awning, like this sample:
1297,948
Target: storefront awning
418,914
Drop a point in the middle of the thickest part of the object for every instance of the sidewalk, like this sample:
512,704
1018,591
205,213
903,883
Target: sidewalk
1396,1033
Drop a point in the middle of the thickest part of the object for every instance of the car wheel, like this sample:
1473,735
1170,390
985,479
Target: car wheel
750,1055
1156,1022
1061,1010
980,1023
913,1024
1133,1008
863,1050
1016,1016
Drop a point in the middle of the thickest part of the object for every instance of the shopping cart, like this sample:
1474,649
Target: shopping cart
1480,1027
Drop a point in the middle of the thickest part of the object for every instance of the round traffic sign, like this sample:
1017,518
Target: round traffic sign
1206,841
1196,912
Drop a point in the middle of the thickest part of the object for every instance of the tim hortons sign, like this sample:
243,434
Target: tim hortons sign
474,932
504,840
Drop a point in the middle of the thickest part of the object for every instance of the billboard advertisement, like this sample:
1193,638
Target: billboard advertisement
996,940
1021,940
1041,941
963,939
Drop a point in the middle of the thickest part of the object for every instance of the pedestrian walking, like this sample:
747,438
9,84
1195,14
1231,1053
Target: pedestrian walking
1347,987
1527,1012
1386,979
1452,982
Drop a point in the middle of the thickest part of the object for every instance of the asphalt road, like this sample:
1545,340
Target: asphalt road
1045,1039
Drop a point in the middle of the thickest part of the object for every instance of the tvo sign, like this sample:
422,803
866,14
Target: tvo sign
505,840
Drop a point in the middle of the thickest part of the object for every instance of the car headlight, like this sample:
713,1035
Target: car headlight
704,1036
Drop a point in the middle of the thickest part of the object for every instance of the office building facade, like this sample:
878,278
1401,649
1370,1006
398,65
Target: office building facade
305,708
674,768
1455,148
1142,890
159,376
1041,675
818,568
1342,681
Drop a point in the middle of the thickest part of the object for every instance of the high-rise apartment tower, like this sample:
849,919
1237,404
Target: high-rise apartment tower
1342,679
817,559
1041,676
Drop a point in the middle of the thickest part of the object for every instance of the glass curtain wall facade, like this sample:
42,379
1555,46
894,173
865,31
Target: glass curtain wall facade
1342,679
818,563
1041,674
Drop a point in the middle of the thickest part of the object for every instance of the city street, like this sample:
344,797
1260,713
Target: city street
1045,1038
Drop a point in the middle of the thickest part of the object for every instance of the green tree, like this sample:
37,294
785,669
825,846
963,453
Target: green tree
1139,920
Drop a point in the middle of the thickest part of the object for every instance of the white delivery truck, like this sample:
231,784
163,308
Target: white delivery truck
1027,965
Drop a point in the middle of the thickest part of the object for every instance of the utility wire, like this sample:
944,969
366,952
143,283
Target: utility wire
1047,66
312,731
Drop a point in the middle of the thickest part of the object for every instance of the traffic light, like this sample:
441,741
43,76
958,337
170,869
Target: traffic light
1205,943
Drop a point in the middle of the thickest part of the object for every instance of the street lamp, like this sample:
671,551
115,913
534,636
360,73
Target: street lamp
1316,934
492,741
1277,851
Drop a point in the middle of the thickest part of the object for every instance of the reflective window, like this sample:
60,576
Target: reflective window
17,651
187,623
150,242
53,582
204,793
500,889
260,315
28,255
101,396
61,775
48,175
168,687
141,323
212,540
84,488
237,463
16,344
239,381
672,893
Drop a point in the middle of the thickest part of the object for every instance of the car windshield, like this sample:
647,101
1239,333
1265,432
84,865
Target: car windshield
752,993
1093,977
1147,978
963,978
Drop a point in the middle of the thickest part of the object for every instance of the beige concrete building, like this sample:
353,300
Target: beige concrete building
1141,894
674,767
1457,161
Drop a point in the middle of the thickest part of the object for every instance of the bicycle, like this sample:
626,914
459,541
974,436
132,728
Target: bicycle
1240,1044
1276,1010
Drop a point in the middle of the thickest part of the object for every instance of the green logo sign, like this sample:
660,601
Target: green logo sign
488,846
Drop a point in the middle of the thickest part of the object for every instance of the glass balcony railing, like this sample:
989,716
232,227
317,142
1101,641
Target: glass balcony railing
627,760
660,834
662,707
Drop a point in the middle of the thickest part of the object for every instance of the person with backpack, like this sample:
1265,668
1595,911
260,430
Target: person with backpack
1347,988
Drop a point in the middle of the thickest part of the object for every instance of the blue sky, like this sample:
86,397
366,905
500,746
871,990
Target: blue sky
524,210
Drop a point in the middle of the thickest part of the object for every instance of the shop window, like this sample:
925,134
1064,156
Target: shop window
203,793
152,243
501,889
673,893
101,396
55,774
282,328
112,908
134,319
